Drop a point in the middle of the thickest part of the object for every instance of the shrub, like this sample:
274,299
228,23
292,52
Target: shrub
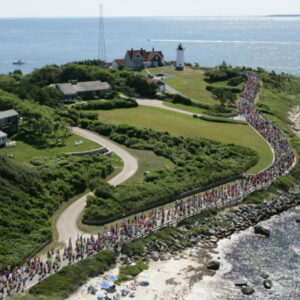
131,270
134,248
70,278
106,104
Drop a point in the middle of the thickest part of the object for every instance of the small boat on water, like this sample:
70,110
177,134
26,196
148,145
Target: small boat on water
18,62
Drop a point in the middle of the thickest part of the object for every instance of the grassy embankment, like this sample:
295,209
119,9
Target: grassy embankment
28,147
184,125
191,83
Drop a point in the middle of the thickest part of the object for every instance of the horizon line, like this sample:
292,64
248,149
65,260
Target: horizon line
135,16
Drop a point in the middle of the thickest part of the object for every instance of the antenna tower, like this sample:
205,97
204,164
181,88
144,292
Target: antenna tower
101,42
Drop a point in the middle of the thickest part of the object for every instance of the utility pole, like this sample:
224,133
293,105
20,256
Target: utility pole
101,42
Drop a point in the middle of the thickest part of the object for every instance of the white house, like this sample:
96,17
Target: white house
180,58
3,138
139,59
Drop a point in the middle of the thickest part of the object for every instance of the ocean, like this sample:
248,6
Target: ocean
272,43
246,256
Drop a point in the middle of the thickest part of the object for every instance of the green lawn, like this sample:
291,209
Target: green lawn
148,162
280,104
192,109
27,148
191,83
184,125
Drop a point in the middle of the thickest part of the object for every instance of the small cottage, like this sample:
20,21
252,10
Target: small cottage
9,120
3,138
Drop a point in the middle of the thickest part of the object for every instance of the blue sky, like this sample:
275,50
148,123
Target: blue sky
89,8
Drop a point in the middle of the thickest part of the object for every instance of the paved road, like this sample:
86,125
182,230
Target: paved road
160,104
66,224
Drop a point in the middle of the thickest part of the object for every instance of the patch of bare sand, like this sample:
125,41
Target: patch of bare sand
169,280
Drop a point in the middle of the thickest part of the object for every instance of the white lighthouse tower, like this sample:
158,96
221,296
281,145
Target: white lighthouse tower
180,58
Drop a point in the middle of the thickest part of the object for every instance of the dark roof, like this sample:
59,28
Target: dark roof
147,55
79,87
8,113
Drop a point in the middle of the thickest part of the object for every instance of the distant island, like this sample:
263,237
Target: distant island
283,16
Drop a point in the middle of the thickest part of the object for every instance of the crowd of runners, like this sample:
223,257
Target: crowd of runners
16,279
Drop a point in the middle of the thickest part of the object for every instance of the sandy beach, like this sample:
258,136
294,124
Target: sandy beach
172,279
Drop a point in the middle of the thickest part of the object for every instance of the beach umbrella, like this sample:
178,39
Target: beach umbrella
112,278
100,295
105,285
144,283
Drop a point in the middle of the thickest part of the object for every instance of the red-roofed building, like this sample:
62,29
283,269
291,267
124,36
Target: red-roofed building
138,59
118,62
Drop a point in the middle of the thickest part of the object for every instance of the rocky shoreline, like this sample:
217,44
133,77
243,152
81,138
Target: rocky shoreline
294,116
192,253
240,218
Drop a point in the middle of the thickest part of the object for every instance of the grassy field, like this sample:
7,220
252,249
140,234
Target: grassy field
27,148
148,162
183,125
192,109
191,83
280,104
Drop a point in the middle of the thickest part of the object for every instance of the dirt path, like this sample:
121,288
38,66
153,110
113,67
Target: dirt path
66,224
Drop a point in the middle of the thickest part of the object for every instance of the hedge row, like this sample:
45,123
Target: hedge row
106,104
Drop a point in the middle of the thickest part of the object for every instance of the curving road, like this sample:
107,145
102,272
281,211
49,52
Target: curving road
67,223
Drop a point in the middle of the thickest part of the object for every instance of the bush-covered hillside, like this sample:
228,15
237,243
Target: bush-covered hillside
35,86
30,196
198,162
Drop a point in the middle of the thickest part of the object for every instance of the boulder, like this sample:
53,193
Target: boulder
262,229
268,284
154,255
248,290
241,283
297,218
264,275
165,257
213,265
